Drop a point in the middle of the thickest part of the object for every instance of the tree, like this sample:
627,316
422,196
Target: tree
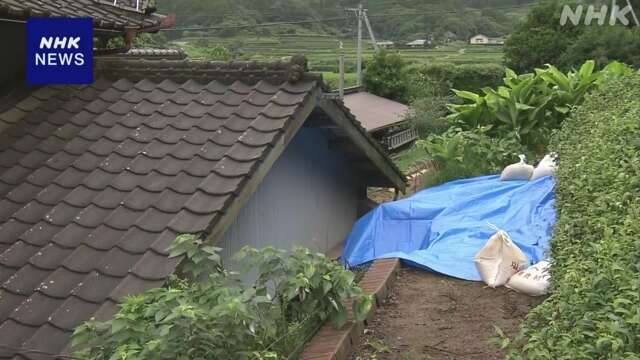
540,39
385,75
605,45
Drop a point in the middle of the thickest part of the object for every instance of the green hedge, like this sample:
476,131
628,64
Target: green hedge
469,77
594,309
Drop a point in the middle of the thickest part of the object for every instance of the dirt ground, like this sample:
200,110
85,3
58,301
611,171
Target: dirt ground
430,316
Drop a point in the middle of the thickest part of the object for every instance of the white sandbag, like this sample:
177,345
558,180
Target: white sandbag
533,281
500,259
518,171
546,167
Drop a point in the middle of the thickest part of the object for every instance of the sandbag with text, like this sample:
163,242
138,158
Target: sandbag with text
500,259
533,281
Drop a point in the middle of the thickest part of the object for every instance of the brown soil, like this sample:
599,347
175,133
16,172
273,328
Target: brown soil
430,316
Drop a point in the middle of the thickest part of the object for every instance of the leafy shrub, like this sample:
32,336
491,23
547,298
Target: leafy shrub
217,53
210,314
605,45
493,127
332,80
439,78
593,311
428,115
459,154
541,39
385,75
529,105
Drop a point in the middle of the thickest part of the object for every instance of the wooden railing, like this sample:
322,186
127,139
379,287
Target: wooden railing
400,138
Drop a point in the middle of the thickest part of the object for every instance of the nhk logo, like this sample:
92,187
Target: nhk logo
53,58
59,51
615,14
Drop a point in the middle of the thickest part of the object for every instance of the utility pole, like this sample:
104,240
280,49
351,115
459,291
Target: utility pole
359,56
341,81
361,13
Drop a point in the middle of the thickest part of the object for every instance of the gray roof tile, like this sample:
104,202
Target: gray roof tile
25,281
95,287
97,181
60,283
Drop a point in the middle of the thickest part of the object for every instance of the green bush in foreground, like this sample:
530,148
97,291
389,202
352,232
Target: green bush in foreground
594,309
210,313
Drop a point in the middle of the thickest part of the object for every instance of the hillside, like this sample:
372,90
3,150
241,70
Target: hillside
396,20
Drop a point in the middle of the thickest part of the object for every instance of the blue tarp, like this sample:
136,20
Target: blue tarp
442,228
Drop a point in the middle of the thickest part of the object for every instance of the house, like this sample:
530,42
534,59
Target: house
479,40
485,40
96,181
417,43
384,119
385,44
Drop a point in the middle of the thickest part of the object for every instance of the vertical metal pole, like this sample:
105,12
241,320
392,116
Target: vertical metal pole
341,81
359,55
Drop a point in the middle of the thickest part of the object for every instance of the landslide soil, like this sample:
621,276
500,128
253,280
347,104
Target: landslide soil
430,316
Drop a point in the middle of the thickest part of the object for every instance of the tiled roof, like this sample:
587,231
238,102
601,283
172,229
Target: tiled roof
96,181
105,16
375,112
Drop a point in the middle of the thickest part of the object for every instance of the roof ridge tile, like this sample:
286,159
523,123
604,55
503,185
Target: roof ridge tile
247,72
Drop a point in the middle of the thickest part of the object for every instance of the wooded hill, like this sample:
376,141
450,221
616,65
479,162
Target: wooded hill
391,19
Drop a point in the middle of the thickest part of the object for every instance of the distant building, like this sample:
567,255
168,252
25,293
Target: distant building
417,43
485,40
385,44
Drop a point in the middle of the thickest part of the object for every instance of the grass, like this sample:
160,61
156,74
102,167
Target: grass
446,174
332,79
408,159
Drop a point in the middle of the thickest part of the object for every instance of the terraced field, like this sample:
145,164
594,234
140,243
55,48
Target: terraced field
322,51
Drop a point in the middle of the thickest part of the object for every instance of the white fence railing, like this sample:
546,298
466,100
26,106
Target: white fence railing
400,138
